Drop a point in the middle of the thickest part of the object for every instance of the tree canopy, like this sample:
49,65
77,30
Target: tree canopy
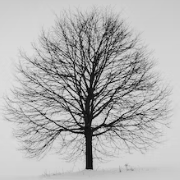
89,89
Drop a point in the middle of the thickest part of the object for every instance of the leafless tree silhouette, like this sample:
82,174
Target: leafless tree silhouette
89,89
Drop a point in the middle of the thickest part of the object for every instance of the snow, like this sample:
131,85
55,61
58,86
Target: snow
126,173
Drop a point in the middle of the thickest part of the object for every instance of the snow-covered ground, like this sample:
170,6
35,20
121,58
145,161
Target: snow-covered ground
124,173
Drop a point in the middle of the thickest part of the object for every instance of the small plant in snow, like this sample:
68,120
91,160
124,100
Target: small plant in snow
120,169
128,167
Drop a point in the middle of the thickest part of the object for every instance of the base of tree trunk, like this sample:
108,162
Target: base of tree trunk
89,155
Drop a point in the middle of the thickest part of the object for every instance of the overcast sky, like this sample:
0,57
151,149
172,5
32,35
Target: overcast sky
158,21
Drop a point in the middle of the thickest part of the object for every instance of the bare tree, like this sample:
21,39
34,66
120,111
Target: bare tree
89,89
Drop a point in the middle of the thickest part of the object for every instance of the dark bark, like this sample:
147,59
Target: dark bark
89,156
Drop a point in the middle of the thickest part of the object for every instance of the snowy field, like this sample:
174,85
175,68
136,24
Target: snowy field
127,173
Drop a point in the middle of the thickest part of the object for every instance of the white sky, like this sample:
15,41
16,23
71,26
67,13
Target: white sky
21,22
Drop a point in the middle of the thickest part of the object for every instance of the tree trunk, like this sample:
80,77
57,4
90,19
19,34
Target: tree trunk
89,156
